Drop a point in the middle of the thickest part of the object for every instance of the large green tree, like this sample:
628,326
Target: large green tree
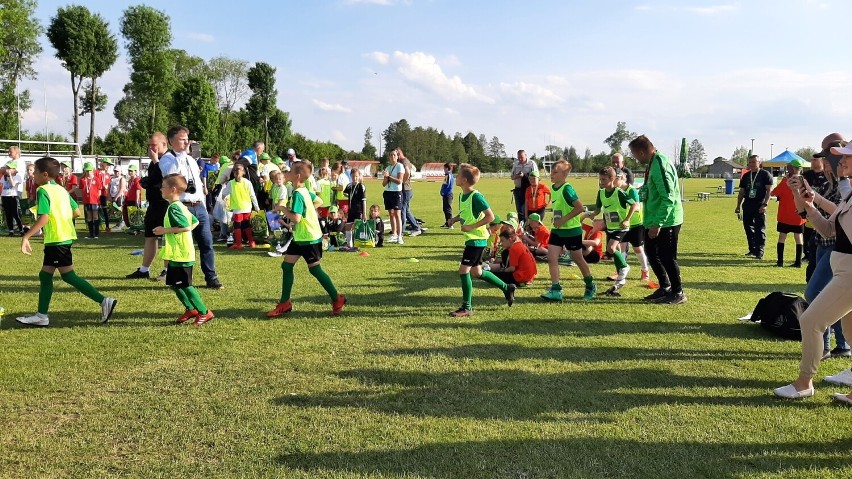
87,49
263,101
19,47
194,106
147,97
620,136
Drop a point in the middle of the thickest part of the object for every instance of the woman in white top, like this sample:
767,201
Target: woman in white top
392,182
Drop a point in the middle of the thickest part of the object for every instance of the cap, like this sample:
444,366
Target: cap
264,156
497,220
832,140
842,150
511,222
534,173
277,160
534,217
511,215
12,164
291,151
106,160
796,163
332,209
133,168
66,163
88,166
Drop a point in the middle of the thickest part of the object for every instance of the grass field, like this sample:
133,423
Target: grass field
395,388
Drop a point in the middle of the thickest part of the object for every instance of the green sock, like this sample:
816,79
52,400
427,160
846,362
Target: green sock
287,281
184,300
556,287
589,280
325,281
45,291
467,291
493,280
83,286
618,259
195,299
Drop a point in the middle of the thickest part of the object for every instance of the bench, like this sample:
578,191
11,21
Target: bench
702,196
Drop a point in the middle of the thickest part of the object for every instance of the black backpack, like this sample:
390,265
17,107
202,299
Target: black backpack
779,313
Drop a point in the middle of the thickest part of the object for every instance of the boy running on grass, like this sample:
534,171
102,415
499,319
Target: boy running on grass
307,242
618,210
567,232
55,213
179,250
475,216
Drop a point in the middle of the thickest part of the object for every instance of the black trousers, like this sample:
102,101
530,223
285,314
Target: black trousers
754,224
12,212
448,207
520,203
662,256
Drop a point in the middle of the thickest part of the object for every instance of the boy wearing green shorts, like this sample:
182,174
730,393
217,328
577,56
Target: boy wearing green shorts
475,216
55,212
566,232
179,251
307,241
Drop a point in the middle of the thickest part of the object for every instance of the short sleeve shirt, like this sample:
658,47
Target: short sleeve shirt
394,171
755,185
570,196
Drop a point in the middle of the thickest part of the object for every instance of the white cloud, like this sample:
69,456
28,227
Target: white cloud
201,37
338,136
424,71
713,9
331,107
532,95
379,57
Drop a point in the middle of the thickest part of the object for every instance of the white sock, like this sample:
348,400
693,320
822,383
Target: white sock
643,261
41,315
349,238
143,269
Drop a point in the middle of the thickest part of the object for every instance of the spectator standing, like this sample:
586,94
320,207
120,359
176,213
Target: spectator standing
521,169
753,198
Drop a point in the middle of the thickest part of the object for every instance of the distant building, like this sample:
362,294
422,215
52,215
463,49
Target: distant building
722,167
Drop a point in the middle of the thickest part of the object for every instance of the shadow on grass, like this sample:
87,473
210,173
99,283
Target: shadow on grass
597,327
578,457
509,352
524,395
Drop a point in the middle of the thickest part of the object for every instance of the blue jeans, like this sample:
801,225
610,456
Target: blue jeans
406,214
819,279
204,239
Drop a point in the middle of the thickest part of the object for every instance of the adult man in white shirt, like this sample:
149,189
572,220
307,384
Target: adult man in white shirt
12,183
14,154
521,169
177,160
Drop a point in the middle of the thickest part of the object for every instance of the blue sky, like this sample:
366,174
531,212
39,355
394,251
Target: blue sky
531,73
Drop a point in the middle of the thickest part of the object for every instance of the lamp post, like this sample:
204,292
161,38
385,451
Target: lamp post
752,145
770,150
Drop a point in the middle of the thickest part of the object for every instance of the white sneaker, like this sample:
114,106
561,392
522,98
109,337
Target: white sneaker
789,392
37,319
416,233
622,276
107,307
275,254
400,240
393,239
843,378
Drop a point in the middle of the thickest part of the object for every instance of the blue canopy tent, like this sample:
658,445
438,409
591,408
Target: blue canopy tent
784,159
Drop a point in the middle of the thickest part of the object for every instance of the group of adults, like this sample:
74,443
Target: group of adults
662,210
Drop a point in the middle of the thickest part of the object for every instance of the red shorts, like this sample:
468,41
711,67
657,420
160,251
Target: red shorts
322,212
240,217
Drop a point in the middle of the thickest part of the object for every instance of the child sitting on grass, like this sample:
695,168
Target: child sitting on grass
376,215
179,251
520,267
474,214
307,242
539,239
55,212
566,232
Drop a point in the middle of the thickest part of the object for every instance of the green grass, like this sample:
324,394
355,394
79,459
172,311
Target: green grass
395,388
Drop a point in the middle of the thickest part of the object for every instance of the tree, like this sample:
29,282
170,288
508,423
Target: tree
806,152
194,106
740,156
92,99
695,156
148,38
19,47
87,49
262,103
369,151
228,77
619,137
496,150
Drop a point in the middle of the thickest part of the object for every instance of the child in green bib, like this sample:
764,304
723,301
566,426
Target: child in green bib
475,216
179,251
55,211
618,210
307,241
566,232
